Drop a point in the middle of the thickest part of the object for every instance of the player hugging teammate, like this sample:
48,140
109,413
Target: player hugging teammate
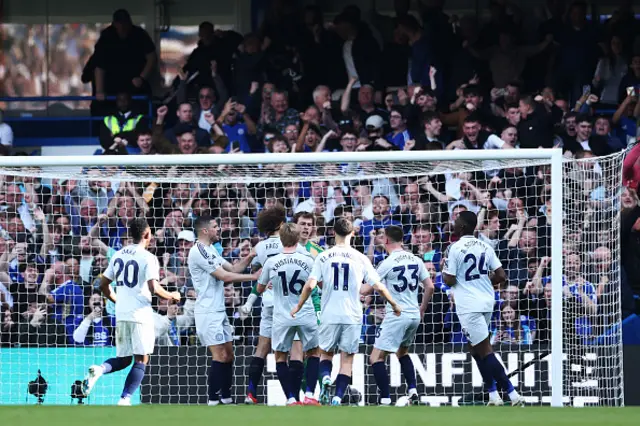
289,269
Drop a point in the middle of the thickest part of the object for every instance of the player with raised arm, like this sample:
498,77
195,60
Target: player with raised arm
402,273
472,270
209,273
341,271
136,273
288,272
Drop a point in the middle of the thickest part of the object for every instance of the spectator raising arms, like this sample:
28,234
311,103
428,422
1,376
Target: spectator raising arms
420,80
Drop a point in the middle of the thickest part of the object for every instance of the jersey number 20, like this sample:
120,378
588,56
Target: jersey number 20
474,265
129,272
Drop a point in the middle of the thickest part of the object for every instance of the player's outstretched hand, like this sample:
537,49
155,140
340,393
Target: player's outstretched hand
175,296
246,308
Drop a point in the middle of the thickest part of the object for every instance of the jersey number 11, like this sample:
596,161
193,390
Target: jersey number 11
336,276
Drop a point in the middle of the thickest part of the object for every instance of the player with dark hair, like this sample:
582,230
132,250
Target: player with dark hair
403,274
137,274
209,273
341,270
472,270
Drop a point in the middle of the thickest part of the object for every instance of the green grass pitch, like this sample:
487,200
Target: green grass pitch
158,415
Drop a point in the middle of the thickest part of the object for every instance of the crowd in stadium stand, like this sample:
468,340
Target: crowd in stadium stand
416,80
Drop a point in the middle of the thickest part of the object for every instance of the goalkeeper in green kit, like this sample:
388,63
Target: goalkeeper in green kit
306,224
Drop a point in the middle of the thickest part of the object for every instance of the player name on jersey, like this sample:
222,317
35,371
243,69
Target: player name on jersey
292,261
334,253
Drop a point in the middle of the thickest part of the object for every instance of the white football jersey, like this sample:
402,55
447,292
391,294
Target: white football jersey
264,250
288,273
342,270
131,268
203,261
470,261
402,273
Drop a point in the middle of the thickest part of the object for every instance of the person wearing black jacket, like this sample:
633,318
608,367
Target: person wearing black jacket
360,51
585,140
124,58
216,46
536,125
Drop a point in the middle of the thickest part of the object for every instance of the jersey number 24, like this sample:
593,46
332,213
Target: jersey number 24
474,264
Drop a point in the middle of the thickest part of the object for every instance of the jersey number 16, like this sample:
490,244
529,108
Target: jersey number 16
290,285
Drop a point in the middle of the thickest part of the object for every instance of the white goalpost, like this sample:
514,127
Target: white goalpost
554,223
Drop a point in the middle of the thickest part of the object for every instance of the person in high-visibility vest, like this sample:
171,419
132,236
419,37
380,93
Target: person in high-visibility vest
119,131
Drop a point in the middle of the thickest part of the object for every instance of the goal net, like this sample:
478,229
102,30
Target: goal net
61,220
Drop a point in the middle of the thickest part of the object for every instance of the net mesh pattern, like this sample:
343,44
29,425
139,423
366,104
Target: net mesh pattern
61,225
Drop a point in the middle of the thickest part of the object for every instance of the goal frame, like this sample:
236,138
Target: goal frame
553,156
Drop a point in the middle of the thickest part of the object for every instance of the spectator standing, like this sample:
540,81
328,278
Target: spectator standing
578,52
507,60
125,57
319,47
360,50
422,57
610,71
215,46
249,64
100,192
